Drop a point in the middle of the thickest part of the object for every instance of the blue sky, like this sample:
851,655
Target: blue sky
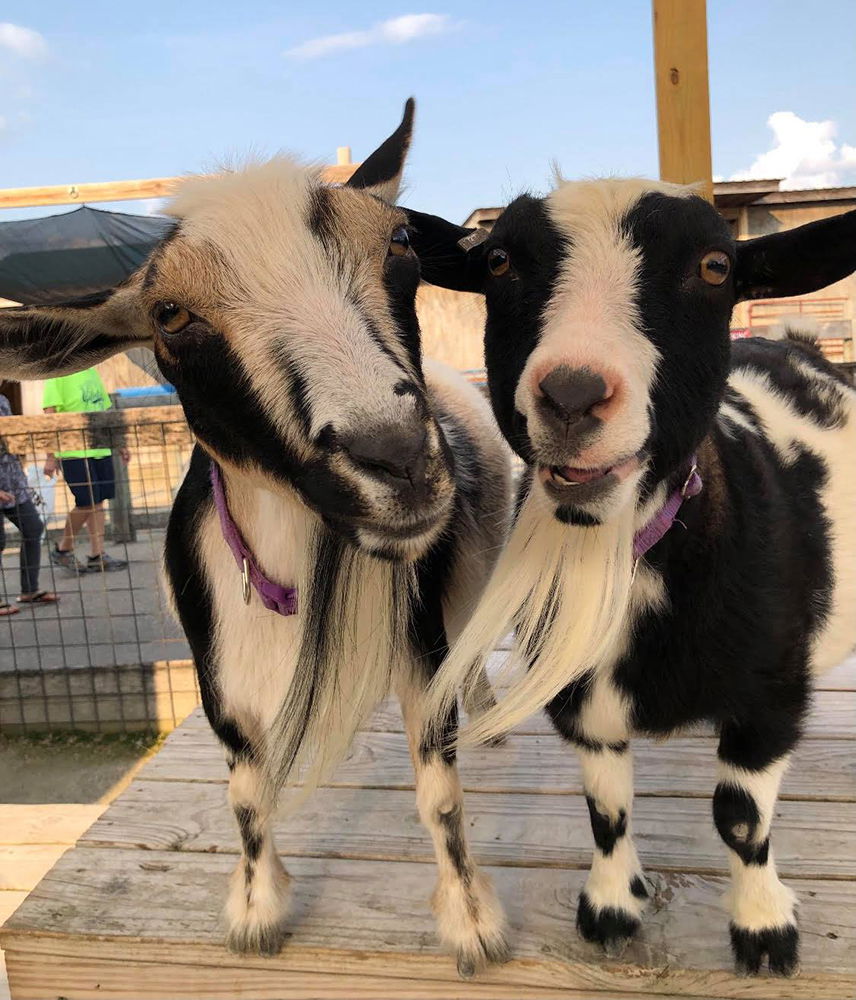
108,91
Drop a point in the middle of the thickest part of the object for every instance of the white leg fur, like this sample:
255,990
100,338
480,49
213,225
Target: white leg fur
259,893
757,899
762,908
614,896
470,919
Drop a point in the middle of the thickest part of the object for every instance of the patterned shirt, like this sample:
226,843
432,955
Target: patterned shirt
12,478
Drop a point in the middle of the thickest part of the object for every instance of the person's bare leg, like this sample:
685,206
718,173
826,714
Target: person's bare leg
77,518
96,529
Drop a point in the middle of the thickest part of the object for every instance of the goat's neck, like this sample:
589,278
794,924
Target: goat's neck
275,523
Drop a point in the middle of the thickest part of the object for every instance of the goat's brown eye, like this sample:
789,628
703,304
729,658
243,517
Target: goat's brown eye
715,267
399,242
171,318
498,262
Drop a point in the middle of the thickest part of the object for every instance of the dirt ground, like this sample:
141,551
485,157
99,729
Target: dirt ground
67,767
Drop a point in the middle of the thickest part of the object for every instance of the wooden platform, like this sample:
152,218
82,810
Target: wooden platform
133,910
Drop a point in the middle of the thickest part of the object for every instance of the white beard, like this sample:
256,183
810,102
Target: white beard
565,590
354,612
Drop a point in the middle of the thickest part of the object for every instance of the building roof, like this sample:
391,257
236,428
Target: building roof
726,194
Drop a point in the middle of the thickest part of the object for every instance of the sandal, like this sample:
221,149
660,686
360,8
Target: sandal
40,597
7,609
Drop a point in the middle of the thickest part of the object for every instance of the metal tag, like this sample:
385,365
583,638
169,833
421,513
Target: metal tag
474,239
245,582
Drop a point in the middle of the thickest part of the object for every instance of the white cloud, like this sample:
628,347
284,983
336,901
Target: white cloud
395,31
150,206
22,41
805,155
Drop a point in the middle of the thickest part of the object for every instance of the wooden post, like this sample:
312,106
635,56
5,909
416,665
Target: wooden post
683,102
157,187
343,155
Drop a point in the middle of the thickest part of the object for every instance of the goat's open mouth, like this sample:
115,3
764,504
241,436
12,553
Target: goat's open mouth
566,478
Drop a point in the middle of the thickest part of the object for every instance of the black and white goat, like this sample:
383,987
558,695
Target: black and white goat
330,462
612,375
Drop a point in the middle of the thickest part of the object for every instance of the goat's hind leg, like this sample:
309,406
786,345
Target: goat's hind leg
762,908
258,902
470,919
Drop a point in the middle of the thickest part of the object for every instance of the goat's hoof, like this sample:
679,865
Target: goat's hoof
255,939
488,951
780,945
610,927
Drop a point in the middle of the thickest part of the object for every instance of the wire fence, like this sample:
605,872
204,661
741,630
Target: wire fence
108,655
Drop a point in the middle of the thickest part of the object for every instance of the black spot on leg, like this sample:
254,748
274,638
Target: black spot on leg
443,742
607,831
736,816
638,888
250,836
456,845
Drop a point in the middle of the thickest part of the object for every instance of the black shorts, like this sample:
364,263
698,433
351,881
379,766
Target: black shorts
91,480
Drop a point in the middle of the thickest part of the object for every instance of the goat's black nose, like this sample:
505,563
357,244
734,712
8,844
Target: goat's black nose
570,394
397,454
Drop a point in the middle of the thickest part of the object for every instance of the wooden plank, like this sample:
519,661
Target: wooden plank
368,918
93,979
832,717
683,104
23,865
45,824
522,830
821,769
153,187
842,678
10,900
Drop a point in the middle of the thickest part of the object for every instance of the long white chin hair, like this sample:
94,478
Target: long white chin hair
565,590
354,616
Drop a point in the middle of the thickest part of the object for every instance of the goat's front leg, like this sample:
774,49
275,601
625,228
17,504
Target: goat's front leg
763,909
611,904
470,919
257,906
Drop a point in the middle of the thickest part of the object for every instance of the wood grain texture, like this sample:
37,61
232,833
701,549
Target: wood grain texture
517,830
151,187
683,104
373,918
98,977
832,717
45,824
10,900
821,769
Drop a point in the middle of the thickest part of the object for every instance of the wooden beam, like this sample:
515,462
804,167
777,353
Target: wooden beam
155,187
683,102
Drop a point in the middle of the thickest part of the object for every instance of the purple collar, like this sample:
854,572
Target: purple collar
647,537
282,600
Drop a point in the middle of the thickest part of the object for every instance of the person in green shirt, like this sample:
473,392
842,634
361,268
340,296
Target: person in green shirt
88,472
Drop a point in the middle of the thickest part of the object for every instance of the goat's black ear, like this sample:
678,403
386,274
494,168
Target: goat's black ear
43,341
797,261
450,256
381,172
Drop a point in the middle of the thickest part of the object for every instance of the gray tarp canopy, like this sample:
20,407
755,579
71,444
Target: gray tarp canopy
66,256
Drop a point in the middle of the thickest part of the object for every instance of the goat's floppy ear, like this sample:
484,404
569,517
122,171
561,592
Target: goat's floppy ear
797,261
42,341
381,172
450,256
